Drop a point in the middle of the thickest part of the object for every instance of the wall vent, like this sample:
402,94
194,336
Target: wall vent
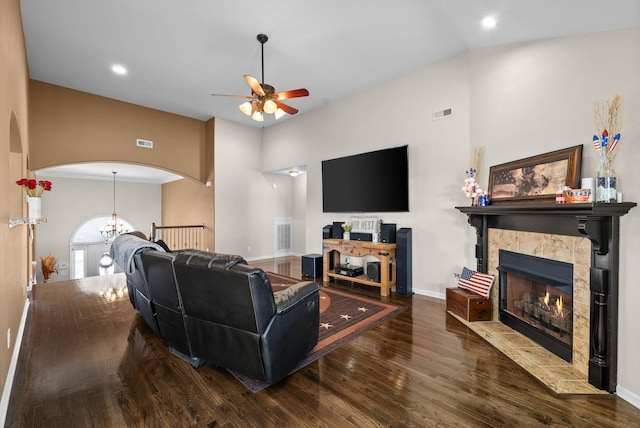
437,115
148,144
282,236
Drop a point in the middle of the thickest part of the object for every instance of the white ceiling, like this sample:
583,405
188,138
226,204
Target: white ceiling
178,53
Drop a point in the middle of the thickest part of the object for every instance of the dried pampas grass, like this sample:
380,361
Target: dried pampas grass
478,158
606,115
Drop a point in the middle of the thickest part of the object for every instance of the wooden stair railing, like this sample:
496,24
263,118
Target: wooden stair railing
179,237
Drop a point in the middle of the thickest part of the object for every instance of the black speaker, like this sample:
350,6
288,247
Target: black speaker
373,271
312,265
361,236
336,230
404,265
388,233
326,231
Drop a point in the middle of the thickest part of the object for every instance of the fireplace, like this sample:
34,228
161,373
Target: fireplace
536,299
594,301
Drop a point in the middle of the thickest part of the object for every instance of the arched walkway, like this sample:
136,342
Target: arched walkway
87,247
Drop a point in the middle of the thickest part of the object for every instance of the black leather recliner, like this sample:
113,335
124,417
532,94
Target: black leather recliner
235,320
210,307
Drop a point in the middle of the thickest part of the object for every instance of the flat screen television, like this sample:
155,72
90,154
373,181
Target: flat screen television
368,182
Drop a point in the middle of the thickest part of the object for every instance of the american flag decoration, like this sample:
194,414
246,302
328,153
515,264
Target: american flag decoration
479,283
615,140
471,172
604,142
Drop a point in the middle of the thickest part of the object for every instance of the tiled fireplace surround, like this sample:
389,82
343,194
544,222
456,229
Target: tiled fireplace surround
585,235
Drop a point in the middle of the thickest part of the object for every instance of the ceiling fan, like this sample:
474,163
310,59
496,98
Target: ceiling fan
264,98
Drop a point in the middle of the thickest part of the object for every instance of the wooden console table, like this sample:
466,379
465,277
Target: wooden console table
386,253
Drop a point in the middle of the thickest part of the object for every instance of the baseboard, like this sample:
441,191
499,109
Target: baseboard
628,396
6,393
253,259
429,293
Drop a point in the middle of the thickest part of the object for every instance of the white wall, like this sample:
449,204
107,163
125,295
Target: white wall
299,216
71,202
247,200
396,113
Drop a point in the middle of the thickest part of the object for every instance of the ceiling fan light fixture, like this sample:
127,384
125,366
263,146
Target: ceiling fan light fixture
246,108
279,113
258,116
264,98
270,107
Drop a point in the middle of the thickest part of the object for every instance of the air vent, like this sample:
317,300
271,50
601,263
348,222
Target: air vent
144,143
437,115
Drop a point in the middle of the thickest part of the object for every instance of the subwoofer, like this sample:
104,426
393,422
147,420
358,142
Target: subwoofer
404,265
312,265
373,271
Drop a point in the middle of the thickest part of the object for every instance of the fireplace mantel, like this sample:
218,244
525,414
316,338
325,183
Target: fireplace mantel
600,223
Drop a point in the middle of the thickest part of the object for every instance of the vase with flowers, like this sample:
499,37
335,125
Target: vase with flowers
346,227
48,264
472,189
33,190
606,118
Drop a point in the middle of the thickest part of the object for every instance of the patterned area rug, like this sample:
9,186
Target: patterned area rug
343,317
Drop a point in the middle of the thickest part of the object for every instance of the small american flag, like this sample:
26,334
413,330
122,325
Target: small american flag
479,283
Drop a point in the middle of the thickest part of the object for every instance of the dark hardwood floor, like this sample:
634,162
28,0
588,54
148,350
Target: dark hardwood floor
89,362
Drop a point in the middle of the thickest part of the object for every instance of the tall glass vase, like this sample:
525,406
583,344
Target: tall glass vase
606,189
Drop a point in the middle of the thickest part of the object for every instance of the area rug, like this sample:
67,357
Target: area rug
343,317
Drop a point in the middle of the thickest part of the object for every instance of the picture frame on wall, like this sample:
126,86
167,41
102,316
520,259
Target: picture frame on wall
537,178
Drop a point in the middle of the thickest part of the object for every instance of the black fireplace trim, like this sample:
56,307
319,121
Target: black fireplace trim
600,223
556,273
546,271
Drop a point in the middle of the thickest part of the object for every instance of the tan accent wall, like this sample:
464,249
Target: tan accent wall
69,126
14,150
188,202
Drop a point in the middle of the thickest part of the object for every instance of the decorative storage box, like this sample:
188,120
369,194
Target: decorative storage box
468,305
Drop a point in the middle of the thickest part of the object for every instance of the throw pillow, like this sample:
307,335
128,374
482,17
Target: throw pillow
479,283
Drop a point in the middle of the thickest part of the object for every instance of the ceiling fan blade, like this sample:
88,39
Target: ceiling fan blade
233,96
294,93
255,85
286,108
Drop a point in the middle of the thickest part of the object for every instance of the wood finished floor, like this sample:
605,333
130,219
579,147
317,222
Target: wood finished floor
85,362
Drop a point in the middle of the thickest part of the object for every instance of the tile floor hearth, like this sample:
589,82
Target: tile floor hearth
555,373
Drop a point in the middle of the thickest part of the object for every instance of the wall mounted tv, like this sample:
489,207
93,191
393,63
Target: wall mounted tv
368,182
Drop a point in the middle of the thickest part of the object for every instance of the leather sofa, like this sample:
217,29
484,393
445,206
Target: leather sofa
214,308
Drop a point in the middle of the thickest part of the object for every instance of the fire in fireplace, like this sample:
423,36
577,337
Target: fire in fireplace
536,299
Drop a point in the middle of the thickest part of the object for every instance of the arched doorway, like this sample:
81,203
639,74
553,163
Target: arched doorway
88,246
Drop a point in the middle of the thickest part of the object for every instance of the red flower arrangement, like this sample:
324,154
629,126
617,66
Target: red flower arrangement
34,188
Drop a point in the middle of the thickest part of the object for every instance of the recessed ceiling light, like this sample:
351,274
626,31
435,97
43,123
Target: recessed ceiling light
118,69
489,22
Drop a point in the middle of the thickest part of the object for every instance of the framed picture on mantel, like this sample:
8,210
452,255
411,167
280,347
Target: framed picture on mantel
537,178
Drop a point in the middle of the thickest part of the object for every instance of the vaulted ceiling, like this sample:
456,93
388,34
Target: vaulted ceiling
178,53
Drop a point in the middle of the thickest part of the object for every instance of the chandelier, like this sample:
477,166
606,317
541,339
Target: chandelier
114,226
